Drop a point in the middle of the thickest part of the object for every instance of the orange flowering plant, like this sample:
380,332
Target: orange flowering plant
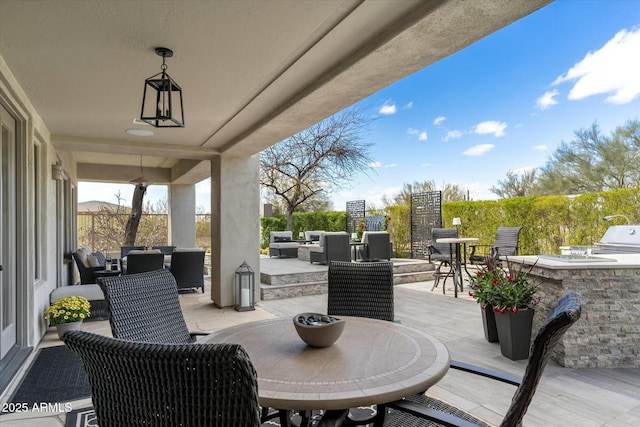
503,289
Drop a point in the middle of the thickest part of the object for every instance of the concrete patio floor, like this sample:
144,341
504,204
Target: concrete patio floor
565,396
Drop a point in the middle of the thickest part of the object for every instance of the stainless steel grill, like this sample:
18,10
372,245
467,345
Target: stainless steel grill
619,239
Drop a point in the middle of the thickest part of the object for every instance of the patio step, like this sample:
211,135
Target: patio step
289,285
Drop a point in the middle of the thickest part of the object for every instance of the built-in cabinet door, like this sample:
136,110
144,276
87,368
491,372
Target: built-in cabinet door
8,291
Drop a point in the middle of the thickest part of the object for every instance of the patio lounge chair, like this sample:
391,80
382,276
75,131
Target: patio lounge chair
281,244
420,410
506,244
145,307
161,385
376,246
443,253
333,246
88,263
187,266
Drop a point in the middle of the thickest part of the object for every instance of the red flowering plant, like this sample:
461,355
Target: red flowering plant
386,223
505,289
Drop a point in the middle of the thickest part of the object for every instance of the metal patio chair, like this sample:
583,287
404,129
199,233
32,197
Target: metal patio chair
135,383
506,244
425,411
444,254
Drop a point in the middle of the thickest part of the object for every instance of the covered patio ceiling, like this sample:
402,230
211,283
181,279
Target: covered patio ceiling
253,72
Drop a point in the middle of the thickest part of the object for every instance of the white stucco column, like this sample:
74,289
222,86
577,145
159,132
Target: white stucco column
182,215
235,223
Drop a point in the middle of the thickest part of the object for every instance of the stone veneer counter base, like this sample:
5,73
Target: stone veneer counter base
608,333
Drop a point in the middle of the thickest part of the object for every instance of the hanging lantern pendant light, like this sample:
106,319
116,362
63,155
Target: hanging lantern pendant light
162,99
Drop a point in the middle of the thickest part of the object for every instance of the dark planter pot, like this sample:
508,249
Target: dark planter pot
514,333
489,323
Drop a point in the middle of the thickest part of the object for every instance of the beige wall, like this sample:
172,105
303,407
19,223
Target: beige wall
182,205
33,289
235,228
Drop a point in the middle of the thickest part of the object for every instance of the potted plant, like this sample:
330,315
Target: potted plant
481,287
67,313
510,296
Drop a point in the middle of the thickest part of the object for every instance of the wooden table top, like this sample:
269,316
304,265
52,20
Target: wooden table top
373,361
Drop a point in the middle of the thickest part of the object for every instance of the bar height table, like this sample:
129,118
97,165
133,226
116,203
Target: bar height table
457,273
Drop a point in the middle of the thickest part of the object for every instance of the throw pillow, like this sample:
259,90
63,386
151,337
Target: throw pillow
314,237
92,261
281,239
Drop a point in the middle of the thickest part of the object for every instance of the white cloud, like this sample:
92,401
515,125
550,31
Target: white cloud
422,134
439,120
522,170
391,165
408,105
453,134
490,127
388,109
541,147
479,150
613,70
375,164
546,100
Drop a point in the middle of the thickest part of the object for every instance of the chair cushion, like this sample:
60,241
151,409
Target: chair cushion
284,245
313,235
90,292
274,234
83,252
188,250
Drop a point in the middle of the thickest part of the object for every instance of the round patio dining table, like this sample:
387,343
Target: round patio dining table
373,362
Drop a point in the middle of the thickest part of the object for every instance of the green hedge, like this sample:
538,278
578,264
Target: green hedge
548,221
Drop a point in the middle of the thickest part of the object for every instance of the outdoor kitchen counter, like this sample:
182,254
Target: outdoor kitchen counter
608,333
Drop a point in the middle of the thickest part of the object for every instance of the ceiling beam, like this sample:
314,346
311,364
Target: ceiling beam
112,146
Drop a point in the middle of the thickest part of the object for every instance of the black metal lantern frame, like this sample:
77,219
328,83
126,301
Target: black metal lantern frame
162,98
245,288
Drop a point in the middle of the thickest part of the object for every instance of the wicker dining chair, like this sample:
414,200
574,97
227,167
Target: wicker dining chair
150,384
145,307
361,289
425,411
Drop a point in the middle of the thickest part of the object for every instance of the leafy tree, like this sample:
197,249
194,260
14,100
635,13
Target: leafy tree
315,161
516,184
450,193
594,162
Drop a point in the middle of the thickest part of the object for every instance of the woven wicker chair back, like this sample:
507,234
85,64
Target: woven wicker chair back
167,385
361,289
145,307
139,263
442,251
507,241
188,269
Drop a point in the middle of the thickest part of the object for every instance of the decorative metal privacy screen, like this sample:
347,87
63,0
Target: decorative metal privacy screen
355,212
426,213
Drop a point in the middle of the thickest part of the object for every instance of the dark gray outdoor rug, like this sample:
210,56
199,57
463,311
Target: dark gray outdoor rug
87,418
56,376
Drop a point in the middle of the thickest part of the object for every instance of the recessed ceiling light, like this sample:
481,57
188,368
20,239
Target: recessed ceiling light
139,132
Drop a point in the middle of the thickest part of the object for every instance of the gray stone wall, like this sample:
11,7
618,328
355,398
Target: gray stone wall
608,333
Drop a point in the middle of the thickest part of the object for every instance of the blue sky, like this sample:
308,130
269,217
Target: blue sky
504,103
